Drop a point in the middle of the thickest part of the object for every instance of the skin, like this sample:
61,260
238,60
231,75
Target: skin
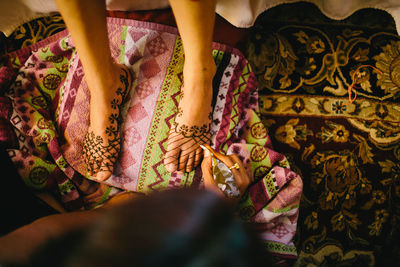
184,152
241,178
19,245
86,22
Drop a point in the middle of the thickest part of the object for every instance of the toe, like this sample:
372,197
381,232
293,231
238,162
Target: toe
92,166
172,155
102,175
190,162
104,171
183,159
172,166
197,158
96,164
89,166
171,160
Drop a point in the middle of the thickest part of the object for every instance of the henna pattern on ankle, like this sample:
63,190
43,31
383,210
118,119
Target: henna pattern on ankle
101,155
192,131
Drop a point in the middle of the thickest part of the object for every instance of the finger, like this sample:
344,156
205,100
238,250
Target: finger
241,169
208,148
244,173
229,161
225,159
240,175
206,167
209,183
241,178
248,179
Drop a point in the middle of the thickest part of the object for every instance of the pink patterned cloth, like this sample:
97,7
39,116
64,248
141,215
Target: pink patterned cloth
45,115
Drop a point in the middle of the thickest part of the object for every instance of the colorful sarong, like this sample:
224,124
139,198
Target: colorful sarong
44,116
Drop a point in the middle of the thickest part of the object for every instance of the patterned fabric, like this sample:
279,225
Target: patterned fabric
48,106
348,154
34,31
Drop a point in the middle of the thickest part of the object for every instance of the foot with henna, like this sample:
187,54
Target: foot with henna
102,142
193,121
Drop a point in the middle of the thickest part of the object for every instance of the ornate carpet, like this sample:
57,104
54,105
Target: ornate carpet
348,154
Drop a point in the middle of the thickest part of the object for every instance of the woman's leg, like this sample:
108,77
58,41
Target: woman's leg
195,21
108,82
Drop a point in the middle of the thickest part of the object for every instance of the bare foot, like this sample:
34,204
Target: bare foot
193,121
101,146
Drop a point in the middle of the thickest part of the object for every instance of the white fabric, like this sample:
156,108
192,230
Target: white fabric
16,12
240,13
243,13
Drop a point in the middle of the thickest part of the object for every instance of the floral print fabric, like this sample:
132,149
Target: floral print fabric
347,153
48,104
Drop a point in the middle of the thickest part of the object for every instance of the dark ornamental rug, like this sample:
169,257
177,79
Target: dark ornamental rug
348,153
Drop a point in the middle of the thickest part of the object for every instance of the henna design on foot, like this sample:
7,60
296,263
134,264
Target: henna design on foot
101,154
184,152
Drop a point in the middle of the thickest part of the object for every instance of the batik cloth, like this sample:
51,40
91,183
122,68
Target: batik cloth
45,114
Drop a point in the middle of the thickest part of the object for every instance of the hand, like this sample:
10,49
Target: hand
240,175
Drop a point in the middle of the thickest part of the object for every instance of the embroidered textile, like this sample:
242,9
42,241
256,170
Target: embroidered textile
45,109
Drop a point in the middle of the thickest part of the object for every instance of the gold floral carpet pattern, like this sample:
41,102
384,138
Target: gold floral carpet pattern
348,154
